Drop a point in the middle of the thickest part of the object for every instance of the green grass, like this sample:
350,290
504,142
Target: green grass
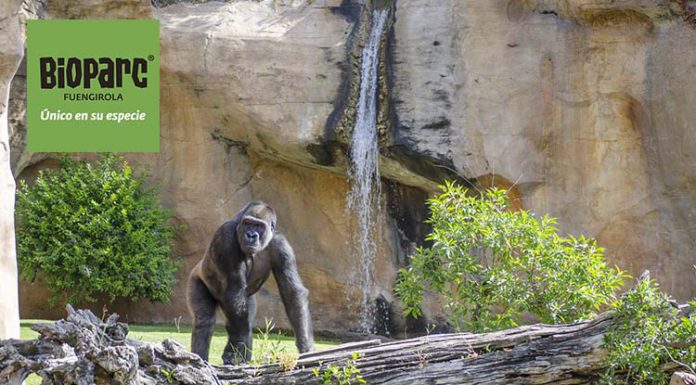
157,333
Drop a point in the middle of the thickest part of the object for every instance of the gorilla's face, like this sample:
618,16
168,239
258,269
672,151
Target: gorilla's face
255,230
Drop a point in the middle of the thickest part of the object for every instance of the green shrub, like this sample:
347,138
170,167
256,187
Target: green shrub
648,332
269,349
92,228
492,265
347,374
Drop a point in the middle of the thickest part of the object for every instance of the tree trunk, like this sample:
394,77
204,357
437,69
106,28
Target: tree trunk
84,350
11,53
538,354
681,378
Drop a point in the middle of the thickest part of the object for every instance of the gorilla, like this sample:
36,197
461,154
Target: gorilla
239,259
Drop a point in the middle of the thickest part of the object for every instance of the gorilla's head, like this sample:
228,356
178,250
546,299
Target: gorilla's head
256,227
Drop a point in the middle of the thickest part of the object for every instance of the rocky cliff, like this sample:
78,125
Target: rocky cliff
582,109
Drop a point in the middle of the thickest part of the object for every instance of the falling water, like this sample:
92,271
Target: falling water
364,192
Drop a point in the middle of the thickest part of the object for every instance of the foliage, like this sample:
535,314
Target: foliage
93,228
347,374
492,265
648,332
270,349
168,375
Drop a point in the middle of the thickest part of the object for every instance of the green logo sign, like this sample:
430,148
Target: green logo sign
93,85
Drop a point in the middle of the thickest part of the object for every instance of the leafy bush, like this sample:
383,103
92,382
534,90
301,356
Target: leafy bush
348,374
94,229
648,332
492,265
269,349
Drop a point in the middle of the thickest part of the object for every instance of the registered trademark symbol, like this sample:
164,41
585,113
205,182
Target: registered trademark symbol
151,57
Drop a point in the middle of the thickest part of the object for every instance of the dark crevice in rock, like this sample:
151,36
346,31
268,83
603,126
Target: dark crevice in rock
230,143
383,87
351,10
548,12
326,153
406,205
441,123
384,317
423,163
408,211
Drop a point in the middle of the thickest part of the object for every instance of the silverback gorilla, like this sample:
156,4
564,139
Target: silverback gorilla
241,256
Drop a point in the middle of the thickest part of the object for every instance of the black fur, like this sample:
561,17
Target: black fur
241,256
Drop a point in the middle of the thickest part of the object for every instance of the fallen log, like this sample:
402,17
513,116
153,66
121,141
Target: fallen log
82,349
538,354
681,378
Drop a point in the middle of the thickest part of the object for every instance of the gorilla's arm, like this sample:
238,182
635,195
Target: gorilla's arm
292,291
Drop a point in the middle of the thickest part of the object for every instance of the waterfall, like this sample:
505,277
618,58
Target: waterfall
363,198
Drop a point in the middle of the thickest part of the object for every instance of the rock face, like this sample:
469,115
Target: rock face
582,109
10,56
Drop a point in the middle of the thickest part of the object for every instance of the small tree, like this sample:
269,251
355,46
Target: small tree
648,334
492,265
93,228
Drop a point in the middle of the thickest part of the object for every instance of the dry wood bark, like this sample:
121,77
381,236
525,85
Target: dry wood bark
681,378
84,350
538,354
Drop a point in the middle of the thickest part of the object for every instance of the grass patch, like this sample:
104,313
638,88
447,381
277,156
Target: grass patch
157,333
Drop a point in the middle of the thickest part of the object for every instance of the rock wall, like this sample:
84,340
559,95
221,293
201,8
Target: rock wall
584,106
10,56
241,112
582,109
